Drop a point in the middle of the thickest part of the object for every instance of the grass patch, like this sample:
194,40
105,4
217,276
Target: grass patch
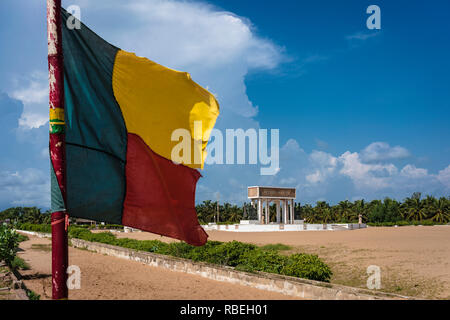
19,263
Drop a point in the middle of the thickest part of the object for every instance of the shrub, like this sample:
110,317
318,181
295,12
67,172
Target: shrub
228,253
307,266
262,260
179,249
203,253
144,245
102,237
80,233
9,242
45,228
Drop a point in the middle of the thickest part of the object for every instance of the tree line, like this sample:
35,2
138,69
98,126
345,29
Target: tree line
412,209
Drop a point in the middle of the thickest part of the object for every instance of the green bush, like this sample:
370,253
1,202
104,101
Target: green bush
228,253
307,266
179,249
45,228
9,242
203,253
76,232
144,245
262,260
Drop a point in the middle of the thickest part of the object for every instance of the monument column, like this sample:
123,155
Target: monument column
259,210
285,210
267,212
292,211
277,203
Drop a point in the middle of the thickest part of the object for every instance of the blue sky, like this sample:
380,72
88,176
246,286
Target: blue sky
362,113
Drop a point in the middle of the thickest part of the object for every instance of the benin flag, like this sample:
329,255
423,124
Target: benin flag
120,113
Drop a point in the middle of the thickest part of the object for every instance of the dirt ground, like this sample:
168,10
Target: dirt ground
110,278
6,292
414,261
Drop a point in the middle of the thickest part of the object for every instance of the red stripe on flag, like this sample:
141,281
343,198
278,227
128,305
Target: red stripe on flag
160,196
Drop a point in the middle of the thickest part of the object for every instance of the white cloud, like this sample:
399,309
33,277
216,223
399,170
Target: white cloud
324,165
413,172
323,159
33,93
444,177
372,176
379,151
291,149
190,33
28,187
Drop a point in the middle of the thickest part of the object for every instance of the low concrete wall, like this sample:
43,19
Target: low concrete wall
36,234
306,289
248,227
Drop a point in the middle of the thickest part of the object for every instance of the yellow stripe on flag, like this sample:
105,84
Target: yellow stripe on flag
57,114
156,100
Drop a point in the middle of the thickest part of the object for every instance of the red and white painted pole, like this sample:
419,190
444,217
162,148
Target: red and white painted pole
57,147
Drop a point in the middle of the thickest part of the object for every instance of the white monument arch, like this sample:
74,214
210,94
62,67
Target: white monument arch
261,197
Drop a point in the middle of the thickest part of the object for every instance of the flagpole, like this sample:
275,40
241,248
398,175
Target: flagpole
57,147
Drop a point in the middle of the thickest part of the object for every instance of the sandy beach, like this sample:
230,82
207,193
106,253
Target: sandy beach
414,260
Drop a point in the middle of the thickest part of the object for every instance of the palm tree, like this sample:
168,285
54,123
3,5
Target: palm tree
413,208
345,210
441,210
235,215
320,210
309,214
327,215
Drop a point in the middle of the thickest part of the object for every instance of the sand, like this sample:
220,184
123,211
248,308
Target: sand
111,278
414,260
